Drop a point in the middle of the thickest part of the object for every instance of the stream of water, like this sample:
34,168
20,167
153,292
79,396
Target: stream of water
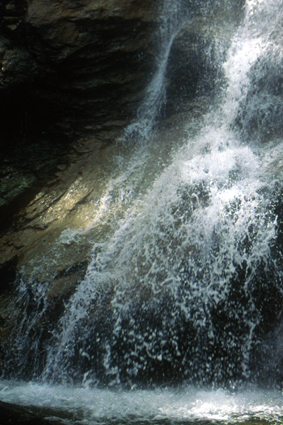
178,316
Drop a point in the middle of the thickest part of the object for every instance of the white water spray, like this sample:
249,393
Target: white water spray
204,220
171,22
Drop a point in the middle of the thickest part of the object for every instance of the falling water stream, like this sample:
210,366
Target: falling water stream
178,318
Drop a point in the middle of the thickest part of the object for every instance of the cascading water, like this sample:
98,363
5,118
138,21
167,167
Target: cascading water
149,109
186,287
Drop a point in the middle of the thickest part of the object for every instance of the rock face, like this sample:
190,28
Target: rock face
88,52
22,416
71,76
67,69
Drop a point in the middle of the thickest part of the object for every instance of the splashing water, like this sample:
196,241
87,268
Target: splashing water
156,407
171,21
184,273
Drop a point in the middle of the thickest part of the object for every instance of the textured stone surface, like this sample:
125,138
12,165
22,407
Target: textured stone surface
21,415
60,49
66,68
71,77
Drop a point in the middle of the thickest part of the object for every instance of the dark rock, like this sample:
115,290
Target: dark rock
71,77
8,274
21,415
202,44
65,68
73,61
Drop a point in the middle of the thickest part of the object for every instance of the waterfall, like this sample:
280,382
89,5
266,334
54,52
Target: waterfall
171,22
185,288
182,287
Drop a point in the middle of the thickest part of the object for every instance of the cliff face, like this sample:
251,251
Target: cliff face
68,70
69,63
71,76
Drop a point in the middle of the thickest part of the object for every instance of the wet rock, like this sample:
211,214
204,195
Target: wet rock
21,415
8,274
73,61
71,77
65,69
202,44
